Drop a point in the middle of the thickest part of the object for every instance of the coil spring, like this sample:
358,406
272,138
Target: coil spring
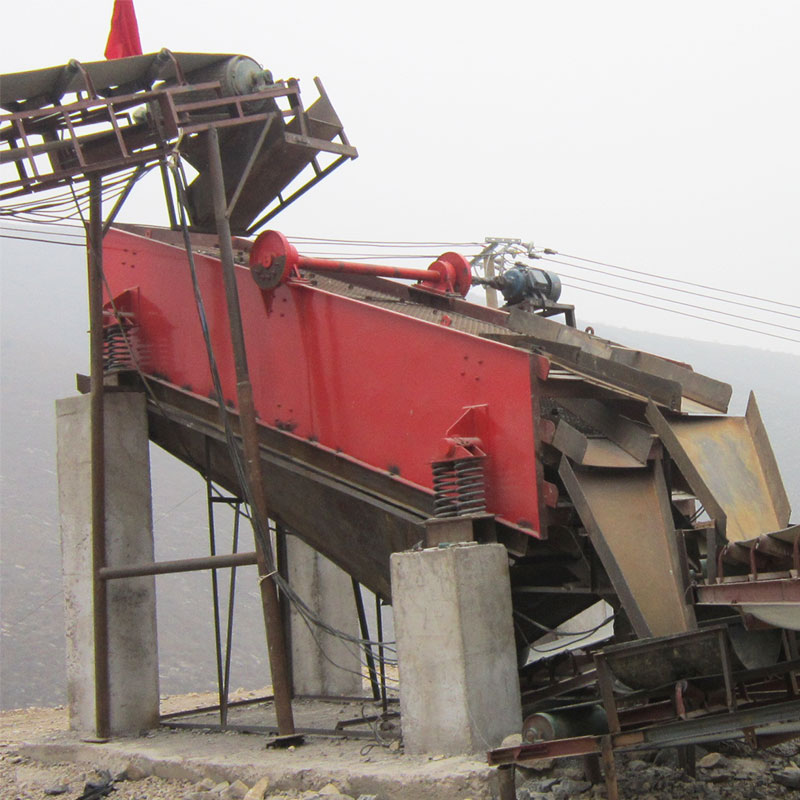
459,487
116,353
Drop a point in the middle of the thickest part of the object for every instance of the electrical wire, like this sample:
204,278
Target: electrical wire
639,281
556,631
675,280
581,635
28,229
362,256
383,243
43,241
678,302
683,313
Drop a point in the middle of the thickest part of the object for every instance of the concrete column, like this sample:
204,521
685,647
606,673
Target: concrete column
133,652
459,689
328,591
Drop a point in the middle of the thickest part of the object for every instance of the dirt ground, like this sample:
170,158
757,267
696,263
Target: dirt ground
33,772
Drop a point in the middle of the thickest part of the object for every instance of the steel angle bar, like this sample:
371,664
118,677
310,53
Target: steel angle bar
205,709
271,730
249,166
284,202
784,591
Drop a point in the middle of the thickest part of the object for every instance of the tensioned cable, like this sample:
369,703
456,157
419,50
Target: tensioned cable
44,241
26,229
381,243
361,256
675,280
670,288
683,313
678,302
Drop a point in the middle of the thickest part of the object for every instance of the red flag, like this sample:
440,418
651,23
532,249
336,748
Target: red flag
123,39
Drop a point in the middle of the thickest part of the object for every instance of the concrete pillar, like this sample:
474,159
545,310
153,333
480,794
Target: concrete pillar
459,689
328,591
133,652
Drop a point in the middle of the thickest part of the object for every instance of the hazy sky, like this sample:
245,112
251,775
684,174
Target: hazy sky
659,136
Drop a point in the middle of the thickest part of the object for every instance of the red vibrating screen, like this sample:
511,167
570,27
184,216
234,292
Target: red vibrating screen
372,384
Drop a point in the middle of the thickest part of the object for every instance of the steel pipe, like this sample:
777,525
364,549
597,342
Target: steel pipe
273,261
181,565
94,241
358,268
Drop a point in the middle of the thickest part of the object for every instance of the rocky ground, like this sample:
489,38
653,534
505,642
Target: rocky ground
731,771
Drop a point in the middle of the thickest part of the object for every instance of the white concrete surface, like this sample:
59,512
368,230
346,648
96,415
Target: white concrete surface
459,689
133,650
322,664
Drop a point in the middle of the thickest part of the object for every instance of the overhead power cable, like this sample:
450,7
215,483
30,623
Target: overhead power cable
683,291
43,241
373,256
383,243
676,280
28,229
684,313
678,302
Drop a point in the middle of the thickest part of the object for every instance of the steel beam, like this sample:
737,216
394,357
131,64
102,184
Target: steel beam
94,241
276,637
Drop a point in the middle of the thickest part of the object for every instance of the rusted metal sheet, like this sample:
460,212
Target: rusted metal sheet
730,466
655,663
260,163
591,451
740,590
628,517
635,439
768,463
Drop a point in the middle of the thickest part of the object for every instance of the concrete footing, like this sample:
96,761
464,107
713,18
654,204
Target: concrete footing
322,665
133,650
459,689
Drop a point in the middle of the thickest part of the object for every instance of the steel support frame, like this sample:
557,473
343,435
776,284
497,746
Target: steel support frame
134,146
273,617
94,241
